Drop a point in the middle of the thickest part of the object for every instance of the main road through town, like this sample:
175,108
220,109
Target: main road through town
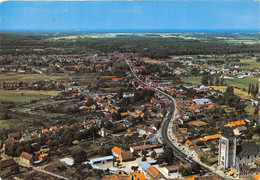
165,124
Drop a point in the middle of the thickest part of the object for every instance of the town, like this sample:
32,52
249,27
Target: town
119,115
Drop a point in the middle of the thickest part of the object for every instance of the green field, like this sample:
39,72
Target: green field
10,123
16,96
16,77
193,80
71,76
239,83
252,63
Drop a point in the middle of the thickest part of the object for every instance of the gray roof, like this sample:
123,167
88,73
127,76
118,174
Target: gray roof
241,167
228,133
145,165
248,149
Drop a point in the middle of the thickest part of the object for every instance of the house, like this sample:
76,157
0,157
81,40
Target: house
67,161
118,176
16,136
53,128
7,163
102,160
239,170
116,151
125,156
174,169
27,158
143,166
239,130
143,147
154,174
138,176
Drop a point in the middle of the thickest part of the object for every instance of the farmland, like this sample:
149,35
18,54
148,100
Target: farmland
238,92
251,63
16,77
24,96
194,80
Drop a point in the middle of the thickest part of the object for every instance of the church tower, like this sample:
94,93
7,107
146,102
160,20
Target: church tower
227,149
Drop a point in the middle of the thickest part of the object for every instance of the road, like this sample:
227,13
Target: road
165,124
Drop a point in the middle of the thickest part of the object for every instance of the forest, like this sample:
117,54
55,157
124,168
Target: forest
154,47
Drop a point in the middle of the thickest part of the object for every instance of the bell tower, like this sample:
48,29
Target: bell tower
227,149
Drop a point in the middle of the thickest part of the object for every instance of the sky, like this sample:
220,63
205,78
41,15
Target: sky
124,15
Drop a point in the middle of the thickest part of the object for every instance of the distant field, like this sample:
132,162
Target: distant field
238,92
243,41
241,83
71,76
193,80
16,77
16,96
252,64
10,123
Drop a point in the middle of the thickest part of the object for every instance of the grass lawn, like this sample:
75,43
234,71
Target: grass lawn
252,64
16,96
193,80
15,77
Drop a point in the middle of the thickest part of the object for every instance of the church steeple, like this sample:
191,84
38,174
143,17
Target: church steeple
227,149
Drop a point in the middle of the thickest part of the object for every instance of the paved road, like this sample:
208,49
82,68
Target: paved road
165,124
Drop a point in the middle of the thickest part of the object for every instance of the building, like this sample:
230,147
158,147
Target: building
26,158
227,149
116,151
240,170
125,156
102,160
7,163
174,169
232,155
154,174
247,153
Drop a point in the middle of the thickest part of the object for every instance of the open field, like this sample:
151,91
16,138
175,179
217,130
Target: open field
250,110
238,92
243,41
16,77
16,96
74,77
241,83
193,80
11,123
252,63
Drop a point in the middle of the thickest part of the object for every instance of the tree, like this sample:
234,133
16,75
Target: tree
195,167
222,81
249,89
144,153
256,89
143,158
256,111
153,155
15,169
217,81
205,79
79,156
